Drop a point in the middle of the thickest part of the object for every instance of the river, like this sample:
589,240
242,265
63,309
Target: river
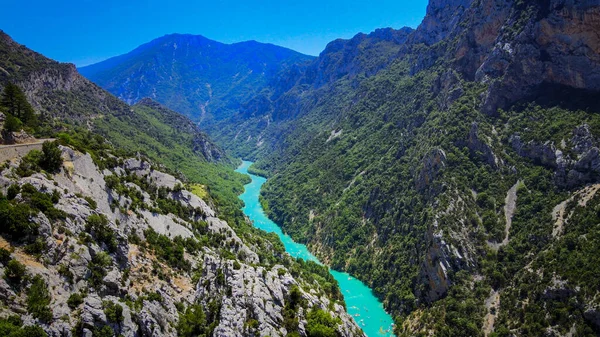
361,303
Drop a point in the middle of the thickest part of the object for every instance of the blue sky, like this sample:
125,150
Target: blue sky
88,31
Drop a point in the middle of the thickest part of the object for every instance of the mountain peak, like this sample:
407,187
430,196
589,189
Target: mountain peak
194,73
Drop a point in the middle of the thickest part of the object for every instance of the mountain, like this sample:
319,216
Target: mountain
201,78
454,168
97,238
65,100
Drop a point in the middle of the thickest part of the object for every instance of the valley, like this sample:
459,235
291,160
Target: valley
439,180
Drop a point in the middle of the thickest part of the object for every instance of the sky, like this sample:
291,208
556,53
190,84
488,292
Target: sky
88,31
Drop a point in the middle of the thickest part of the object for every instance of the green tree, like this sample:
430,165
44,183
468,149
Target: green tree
12,123
113,312
192,322
38,299
74,300
320,324
15,103
51,160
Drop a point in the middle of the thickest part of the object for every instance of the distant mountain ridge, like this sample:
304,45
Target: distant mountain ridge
199,77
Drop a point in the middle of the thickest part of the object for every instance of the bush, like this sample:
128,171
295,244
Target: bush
36,248
13,327
113,311
74,300
171,251
51,159
14,271
12,124
64,271
192,322
97,268
38,299
13,191
14,220
29,164
97,224
93,204
104,331
4,256
320,324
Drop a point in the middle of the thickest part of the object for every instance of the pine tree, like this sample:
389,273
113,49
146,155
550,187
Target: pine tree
14,103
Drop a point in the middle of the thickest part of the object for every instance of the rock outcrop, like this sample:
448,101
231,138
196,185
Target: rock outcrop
577,167
224,271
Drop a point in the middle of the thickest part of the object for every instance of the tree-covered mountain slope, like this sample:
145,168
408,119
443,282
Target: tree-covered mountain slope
199,77
460,180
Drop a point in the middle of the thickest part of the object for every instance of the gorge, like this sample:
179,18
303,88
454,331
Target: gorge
361,304
453,167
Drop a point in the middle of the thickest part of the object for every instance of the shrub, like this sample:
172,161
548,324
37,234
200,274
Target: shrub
4,256
64,271
29,164
74,300
14,220
51,159
113,311
12,124
104,331
13,191
320,324
98,267
93,204
98,225
14,271
13,327
36,248
38,299
192,322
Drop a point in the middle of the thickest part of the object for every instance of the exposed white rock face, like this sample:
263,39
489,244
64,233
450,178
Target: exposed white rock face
243,288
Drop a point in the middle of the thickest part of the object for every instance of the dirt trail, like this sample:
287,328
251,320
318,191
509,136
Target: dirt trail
492,304
558,213
510,204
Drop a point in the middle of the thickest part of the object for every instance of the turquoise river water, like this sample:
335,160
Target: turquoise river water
361,303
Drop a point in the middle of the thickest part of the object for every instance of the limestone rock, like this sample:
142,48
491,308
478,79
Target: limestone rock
433,162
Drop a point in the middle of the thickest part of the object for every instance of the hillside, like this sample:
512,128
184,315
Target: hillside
445,180
191,74
125,250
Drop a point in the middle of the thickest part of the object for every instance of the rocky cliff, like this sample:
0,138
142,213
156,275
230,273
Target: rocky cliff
114,257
